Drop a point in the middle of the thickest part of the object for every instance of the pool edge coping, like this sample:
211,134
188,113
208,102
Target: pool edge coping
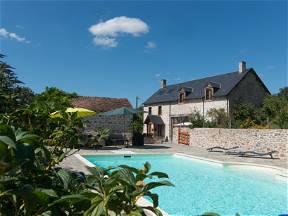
276,171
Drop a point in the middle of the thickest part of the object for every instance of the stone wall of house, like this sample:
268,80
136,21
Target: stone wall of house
117,123
183,109
249,90
259,140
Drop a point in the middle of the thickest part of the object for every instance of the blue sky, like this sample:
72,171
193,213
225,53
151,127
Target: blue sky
178,41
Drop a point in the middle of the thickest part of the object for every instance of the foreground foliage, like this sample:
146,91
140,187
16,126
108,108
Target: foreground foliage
31,183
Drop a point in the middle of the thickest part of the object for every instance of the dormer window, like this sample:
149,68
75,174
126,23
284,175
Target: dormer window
184,92
181,97
209,93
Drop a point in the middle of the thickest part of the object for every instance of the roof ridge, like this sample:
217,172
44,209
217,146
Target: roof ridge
80,96
248,69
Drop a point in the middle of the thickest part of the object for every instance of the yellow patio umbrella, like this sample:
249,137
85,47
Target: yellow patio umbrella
81,112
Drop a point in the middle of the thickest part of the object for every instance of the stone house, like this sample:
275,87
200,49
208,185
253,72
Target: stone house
100,105
173,104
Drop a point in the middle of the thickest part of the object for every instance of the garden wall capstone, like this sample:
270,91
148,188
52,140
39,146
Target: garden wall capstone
259,140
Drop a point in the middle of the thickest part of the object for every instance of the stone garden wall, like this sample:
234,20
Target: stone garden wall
259,140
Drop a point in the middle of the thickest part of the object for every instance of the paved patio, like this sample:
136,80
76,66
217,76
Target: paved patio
74,163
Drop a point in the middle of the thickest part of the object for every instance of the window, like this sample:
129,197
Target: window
181,97
208,94
150,110
159,110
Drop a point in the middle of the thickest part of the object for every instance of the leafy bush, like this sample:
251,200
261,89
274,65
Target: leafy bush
272,113
137,121
218,118
196,119
54,99
100,136
281,118
250,123
32,184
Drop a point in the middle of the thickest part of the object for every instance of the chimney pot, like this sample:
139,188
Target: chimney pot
242,66
163,83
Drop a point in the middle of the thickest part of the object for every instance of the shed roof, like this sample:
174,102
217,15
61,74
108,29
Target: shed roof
100,104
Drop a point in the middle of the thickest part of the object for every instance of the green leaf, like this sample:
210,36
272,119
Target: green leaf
147,167
65,177
124,175
72,199
26,137
43,154
132,169
49,192
159,174
96,208
210,214
154,210
154,198
6,130
152,185
8,141
46,213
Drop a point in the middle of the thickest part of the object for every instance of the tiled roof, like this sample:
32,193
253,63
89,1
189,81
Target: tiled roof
224,82
100,103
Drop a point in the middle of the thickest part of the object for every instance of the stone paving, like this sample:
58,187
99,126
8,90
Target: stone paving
74,163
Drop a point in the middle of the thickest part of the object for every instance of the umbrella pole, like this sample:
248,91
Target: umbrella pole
124,130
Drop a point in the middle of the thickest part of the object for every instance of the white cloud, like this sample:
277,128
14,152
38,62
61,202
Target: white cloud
11,35
105,41
106,33
157,75
150,45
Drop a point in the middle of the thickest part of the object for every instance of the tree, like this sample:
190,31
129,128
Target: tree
242,112
281,118
271,105
12,93
55,99
137,121
283,93
218,118
196,119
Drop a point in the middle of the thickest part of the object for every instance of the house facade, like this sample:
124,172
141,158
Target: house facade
172,104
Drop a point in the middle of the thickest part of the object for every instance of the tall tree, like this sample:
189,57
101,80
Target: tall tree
55,99
12,93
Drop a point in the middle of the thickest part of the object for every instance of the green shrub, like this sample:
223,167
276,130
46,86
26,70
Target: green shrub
31,183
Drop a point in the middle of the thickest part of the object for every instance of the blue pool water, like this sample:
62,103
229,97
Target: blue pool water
201,187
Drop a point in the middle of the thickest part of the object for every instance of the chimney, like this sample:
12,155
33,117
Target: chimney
242,66
162,83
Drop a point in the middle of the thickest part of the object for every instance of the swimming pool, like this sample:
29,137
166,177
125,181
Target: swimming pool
201,187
